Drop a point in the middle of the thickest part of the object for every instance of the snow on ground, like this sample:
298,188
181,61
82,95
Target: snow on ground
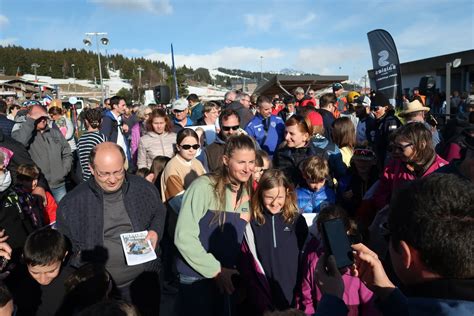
208,93
112,85
215,72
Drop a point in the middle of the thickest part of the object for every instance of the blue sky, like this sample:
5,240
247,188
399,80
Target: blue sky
325,37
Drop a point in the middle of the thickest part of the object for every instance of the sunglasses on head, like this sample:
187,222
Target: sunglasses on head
187,147
228,128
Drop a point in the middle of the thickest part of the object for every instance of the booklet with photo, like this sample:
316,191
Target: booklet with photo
137,250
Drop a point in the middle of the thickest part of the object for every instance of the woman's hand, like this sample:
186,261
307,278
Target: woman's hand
224,280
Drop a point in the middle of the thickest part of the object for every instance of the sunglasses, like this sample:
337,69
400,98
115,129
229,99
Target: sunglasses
375,108
228,128
178,111
399,147
188,147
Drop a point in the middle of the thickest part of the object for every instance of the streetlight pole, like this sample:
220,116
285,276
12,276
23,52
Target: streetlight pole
104,40
261,68
139,69
454,64
74,76
35,66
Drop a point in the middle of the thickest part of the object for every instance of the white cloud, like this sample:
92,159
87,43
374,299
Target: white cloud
299,24
414,40
330,59
3,20
160,7
258,22
228,57
8,41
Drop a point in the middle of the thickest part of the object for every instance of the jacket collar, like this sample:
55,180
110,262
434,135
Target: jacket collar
451,289
97,190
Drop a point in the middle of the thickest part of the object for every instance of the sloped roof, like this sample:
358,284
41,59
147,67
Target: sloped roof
279,83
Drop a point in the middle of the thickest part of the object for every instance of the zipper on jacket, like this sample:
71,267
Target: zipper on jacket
274,234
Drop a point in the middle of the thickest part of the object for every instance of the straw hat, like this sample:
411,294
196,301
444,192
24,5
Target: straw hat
413,106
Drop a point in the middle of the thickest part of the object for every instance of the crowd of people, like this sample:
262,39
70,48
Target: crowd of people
233,197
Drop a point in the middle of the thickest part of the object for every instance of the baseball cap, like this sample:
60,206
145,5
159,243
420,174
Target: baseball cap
180,105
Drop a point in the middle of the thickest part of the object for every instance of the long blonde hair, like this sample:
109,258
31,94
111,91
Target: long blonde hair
221,179
271,179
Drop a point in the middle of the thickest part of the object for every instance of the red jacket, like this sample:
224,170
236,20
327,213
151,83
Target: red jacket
395,175
306,101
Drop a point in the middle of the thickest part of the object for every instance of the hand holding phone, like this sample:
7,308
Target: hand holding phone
337,242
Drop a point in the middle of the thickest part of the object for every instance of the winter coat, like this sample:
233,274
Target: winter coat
6,125
245,114
379,134
268,133
80,214
289,159
196,112
357,297
328,120
109,127
438,297
396,174
211,156
208,236
310,201
270,262
306,101
152,145
20,156
48,149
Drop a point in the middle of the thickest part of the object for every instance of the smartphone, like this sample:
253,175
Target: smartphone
337,242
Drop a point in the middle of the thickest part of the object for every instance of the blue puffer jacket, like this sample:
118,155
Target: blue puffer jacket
310,201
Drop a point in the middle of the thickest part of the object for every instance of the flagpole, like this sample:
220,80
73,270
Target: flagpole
174,73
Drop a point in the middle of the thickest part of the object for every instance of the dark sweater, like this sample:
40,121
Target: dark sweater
80,215
33,298
278,245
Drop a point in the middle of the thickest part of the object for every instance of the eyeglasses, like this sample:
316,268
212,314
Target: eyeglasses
187,147
106,175
228,128
394,147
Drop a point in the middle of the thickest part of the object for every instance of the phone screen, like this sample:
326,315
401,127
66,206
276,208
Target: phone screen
337,242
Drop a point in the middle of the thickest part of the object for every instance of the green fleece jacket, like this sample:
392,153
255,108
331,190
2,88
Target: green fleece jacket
205,245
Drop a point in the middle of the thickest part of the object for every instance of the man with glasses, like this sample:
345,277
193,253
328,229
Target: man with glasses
229,97
180,112
242,106
109,204
210,114
47,147
211,156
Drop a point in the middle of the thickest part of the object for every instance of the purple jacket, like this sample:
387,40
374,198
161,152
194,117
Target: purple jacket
135,141
357,297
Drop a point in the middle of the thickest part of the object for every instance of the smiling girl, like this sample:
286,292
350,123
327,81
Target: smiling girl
273,243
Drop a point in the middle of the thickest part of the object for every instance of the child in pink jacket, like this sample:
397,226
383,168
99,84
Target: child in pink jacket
358,298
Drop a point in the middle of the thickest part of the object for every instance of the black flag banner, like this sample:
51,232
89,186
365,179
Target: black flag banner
386,65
